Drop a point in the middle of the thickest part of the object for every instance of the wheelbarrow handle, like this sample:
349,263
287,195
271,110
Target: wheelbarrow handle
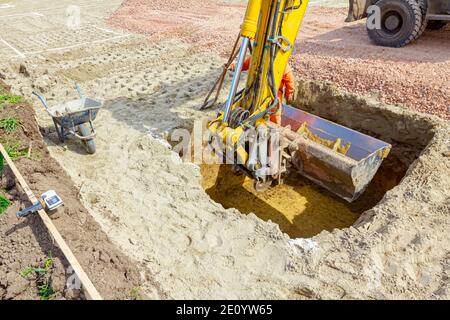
80,92
41,97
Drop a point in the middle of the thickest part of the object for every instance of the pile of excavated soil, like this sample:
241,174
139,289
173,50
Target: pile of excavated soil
153,206
328,49
27,243
415,76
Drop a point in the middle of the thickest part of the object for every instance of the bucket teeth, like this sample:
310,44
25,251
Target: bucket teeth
337,158
335,145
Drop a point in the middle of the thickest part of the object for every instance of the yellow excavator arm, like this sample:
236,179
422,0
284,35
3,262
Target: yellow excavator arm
274,40
268,34
337,158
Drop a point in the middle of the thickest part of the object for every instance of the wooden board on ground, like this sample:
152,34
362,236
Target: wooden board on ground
90,291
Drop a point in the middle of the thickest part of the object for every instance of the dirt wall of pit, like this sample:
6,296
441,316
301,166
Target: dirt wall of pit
408,132
403,238
153,207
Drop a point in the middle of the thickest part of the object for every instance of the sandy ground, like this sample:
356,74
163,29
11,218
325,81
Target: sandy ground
27,243
327,49
153,207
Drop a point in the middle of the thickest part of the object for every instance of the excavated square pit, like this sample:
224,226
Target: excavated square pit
303,209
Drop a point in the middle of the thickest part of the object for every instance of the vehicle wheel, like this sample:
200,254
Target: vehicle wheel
401,22
436,25
423,4
89,144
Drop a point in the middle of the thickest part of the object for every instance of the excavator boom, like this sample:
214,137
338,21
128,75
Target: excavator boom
337,158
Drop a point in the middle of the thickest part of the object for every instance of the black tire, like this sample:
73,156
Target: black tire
89,144
436,25
401,22
423,4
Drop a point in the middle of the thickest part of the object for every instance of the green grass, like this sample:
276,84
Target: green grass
29,270
45,291
10,99
48,263
13,150
136,293
9,124
4,204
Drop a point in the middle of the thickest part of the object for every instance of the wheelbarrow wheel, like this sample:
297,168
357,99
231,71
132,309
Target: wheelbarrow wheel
89,144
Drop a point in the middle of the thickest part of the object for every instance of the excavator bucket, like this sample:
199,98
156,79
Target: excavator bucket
337,158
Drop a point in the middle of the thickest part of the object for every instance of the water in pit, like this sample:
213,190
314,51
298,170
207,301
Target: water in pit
298,206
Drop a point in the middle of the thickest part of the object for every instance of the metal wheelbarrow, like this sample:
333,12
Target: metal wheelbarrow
73,118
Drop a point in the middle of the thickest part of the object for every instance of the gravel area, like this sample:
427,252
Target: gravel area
416,76
152,205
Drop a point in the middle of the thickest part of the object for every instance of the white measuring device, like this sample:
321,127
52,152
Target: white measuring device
49,201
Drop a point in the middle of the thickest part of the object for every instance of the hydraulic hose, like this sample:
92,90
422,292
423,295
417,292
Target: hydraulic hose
272,58
271,75
236,78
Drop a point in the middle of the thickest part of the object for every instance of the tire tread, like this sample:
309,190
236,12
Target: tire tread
418,27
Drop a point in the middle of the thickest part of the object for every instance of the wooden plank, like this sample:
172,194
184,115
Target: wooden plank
90,291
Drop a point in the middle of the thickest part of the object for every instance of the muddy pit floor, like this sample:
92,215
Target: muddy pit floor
298,206
153,206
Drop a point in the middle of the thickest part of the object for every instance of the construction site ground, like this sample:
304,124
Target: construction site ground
159,219
26,243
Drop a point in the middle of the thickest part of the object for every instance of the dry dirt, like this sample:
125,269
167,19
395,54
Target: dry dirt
153,207
327,49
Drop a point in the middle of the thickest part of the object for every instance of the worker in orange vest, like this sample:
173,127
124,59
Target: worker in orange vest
287,87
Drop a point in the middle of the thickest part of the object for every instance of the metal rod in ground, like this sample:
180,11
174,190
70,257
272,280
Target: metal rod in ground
207,104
